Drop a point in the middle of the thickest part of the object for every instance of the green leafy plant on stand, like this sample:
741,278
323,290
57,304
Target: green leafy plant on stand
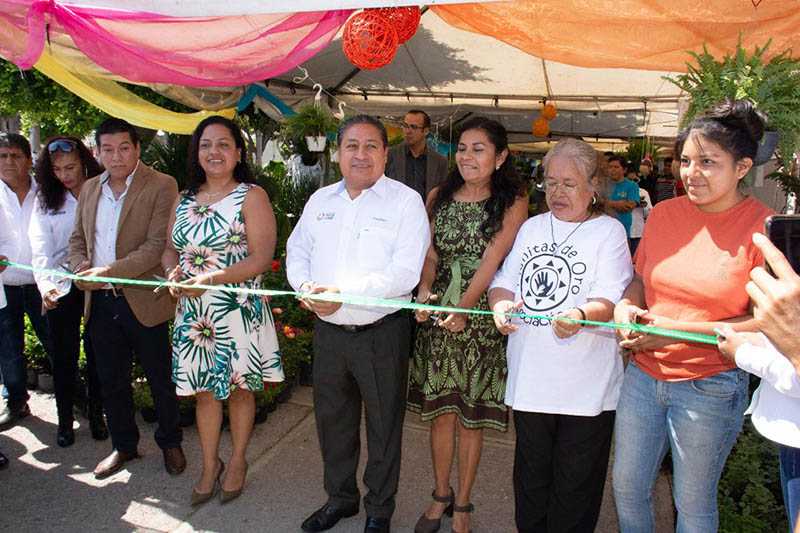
773,87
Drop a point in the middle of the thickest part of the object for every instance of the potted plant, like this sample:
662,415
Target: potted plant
309,127
143,400
773,87
187,406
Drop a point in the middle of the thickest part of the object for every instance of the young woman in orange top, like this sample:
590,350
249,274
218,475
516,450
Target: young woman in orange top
692,266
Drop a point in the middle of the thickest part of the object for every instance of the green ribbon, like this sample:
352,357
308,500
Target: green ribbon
367,301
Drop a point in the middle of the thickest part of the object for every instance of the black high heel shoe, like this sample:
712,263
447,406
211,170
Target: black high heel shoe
432,525
463,509
97,425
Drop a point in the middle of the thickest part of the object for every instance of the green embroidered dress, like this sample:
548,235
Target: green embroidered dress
462,373
221,341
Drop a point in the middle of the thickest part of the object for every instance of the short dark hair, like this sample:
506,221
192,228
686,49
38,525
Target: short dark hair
608,154
426,119
116,125
614,157
15,140
361,119
195,175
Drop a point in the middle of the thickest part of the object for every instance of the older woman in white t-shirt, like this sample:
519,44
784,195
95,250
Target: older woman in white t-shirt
563,378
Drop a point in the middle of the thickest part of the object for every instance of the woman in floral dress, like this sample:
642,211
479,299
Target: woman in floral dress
458,374
222,232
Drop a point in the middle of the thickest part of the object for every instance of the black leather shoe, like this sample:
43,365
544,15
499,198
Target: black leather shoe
66,435
3,461
12,413
326,517
97,424
376,525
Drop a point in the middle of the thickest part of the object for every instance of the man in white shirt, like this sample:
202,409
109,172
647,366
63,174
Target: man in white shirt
17,194
8,246
120,232
367,236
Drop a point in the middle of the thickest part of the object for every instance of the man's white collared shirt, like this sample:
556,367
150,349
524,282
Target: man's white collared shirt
373,245
18,217
106,223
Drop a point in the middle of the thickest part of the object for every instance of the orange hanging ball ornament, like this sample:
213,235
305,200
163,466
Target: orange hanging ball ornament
549,111
404,19
369,40
541,128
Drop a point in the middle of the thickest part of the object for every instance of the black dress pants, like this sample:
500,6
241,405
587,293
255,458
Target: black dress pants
116,334
65,324
560,465
369,366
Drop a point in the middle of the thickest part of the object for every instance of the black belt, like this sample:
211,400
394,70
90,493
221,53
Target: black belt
355,329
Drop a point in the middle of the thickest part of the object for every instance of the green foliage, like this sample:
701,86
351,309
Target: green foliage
293,324
39,100
749,495
774,88
309,121
34,352
638,149
142,397
169,157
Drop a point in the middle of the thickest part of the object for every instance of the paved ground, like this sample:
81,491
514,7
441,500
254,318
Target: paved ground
47,488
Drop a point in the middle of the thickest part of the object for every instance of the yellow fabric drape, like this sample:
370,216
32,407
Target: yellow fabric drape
634,34
117,101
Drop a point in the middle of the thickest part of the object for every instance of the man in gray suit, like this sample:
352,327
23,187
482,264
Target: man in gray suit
413,163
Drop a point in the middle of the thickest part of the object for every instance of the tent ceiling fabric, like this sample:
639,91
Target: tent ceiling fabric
441,60
640,34
600,62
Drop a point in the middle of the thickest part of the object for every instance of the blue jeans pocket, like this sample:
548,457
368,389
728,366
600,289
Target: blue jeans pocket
722,385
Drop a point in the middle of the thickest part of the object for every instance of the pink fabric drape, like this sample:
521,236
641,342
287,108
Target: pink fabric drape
152,48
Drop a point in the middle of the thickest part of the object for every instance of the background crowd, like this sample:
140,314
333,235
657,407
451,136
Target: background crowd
400,226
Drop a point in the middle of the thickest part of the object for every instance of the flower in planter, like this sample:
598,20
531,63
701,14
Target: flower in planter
290,335
277,310
203,334
275,266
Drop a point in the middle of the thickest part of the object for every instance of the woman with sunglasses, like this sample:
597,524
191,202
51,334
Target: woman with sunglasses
61,171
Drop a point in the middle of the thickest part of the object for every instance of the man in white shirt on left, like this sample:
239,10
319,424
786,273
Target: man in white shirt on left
17,194
8,246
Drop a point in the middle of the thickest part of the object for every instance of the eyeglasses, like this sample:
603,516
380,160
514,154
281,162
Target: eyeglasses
552,187
61,144
412,127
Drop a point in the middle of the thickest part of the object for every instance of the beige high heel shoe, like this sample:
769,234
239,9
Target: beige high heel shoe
226,496
199,498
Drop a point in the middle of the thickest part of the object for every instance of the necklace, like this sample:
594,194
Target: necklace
556,247
210,196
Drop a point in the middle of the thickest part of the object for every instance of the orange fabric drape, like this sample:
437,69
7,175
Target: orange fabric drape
635,34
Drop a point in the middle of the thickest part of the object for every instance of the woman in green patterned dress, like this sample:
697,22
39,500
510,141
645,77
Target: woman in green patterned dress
459,367
222,232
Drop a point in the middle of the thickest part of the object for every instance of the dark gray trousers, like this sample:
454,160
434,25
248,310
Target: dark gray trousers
368,366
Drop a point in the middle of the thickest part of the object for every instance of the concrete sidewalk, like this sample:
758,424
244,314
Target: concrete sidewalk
47,488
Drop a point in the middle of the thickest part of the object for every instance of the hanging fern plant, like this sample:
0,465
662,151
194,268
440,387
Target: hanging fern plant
774,88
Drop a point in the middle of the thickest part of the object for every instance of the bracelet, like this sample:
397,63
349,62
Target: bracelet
583,314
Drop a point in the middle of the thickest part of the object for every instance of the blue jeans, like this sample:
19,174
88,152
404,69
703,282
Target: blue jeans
22,300
790,482
699,420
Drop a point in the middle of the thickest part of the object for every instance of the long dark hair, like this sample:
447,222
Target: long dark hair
195,175
735,125
52,192
506,186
